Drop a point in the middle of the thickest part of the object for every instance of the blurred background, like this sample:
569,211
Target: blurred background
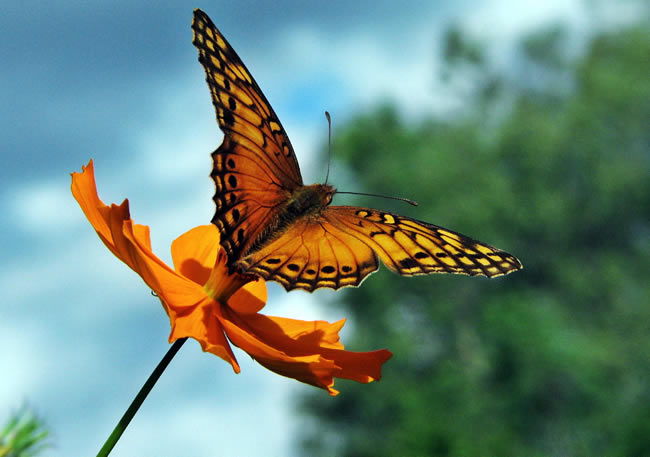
522,124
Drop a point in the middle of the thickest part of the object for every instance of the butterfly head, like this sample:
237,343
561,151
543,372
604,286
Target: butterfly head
310,199
326,192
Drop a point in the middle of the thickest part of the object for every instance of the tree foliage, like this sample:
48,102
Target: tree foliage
551,360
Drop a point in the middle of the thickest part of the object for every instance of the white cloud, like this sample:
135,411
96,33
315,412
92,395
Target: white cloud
508,20
366,68
41,208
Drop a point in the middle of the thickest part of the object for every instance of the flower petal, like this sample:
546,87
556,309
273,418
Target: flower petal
129,242
249,299
98,214
194,252
199,322
306,351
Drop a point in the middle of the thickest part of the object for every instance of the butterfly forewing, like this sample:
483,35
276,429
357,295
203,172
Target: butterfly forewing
255,167
410,247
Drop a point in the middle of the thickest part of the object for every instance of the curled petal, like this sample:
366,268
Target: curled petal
104,219
306,351
130,242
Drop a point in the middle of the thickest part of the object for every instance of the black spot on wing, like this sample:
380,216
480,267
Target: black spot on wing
408,263
228,118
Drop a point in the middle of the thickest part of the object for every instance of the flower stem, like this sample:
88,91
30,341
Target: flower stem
139,399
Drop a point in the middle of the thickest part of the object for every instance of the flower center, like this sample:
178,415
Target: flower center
220,285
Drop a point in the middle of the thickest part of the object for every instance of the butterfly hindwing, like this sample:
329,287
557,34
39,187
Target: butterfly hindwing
255,167
313,254
411,247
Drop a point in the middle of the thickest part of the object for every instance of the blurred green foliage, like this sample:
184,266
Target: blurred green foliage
553,167
24,435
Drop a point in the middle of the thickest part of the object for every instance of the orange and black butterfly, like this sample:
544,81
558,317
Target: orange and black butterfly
274,226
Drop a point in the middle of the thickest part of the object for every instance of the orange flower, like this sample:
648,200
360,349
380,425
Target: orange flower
204,302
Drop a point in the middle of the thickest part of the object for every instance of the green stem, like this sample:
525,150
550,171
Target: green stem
139,399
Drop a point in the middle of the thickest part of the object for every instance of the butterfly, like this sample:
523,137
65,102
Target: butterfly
274,226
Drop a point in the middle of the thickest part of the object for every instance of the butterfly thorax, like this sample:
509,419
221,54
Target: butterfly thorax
303,202
308,200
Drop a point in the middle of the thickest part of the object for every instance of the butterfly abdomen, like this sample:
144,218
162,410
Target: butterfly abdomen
305,201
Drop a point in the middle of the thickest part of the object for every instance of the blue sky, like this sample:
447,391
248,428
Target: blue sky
119,82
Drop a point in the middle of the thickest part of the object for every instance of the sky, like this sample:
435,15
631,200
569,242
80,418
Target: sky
119,82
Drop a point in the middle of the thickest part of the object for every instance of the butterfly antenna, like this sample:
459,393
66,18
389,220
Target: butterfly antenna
329,144
401,199
329,155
